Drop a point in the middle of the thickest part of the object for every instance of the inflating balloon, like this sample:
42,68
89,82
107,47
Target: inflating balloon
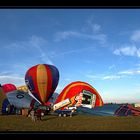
80,94
23,88
42,80
20,99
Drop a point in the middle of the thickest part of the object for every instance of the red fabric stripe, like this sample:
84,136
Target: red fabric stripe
33,73
49,82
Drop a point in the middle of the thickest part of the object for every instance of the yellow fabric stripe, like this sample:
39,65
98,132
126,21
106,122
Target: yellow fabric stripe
72,100
42,81
23,88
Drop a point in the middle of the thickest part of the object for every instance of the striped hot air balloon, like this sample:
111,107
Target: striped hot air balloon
80,93
42,80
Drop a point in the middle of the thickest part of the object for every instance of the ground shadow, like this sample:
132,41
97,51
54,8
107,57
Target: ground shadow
49,118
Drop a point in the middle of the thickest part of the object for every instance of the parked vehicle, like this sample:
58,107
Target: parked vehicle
64,113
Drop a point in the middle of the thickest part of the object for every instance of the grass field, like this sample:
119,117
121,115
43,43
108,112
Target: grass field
76,123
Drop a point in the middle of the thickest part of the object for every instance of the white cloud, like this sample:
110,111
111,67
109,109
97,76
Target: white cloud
5,72
12,79
92,26
103,77
136,36
118,75
36,42
117,52
111,77
66,34
91,31
34,47
122,74
128,51
96,27
129,72
72,34
72,51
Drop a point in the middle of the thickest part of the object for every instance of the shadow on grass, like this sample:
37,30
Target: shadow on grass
49,118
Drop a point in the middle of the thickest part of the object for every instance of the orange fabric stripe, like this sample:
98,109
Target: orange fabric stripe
49,82
42,81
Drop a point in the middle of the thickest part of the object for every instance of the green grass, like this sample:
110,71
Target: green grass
76,123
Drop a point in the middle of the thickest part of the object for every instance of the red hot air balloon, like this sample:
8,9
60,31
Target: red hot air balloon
42,80
80,94
8,87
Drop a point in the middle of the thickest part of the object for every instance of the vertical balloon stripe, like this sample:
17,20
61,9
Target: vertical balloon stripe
33,74
49,81
55,76
42,81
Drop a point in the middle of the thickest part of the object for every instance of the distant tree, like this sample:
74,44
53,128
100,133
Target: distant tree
2,97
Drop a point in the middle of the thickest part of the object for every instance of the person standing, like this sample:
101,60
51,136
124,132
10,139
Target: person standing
39,113
32,115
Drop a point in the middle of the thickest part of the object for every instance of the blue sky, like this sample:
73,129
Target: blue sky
97,46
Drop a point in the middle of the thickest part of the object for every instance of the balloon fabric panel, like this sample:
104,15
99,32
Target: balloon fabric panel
55,77
31,81
8,87
42,81
49,83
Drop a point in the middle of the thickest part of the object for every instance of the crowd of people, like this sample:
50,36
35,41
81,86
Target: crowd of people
36,114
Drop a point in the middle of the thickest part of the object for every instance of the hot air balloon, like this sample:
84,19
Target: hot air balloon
20,99
8,87
23,88
80,94
5,88
42,80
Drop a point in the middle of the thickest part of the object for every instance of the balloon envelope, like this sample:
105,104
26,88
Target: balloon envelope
42,80
19,99
8,87
23,88
80,94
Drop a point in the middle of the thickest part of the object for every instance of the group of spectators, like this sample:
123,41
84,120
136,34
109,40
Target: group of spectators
36,114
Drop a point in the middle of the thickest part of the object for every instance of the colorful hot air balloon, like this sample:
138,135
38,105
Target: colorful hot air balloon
20,99
8,87
42,80
23,88
80,94
17,96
